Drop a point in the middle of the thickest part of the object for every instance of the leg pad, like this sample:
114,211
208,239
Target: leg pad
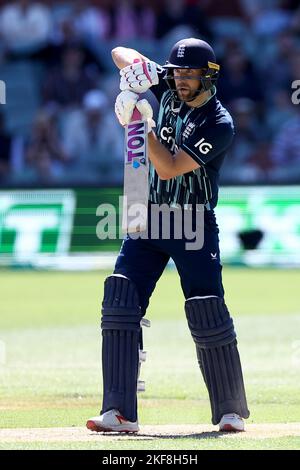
121,332
213,332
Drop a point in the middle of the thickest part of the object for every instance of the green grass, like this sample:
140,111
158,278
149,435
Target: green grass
288,443
51,375
30,299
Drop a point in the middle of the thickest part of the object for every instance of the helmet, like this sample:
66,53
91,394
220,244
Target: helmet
192,53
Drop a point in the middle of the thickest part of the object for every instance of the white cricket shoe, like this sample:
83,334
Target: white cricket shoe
231,423
111,421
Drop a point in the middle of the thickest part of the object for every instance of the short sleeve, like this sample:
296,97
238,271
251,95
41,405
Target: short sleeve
159,90
208,142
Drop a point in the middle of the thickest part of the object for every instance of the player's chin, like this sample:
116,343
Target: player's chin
185,95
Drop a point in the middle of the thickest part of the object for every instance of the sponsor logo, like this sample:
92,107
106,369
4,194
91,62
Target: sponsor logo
204,146
213,256
33,223
136,144
121,419
165,135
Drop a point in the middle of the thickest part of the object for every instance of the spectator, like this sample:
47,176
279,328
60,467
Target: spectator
167,14
133,19
290,5
95,141
295,66
269,19
286,78
194,16
239,78
280,63
189,13
280,111
67,84
45,156
247,158
25,26
90,22
285,152
295,25
219,8
5,151
65,36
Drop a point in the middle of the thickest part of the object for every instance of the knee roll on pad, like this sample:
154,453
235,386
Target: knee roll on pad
213,332
120,306
121,332
209,322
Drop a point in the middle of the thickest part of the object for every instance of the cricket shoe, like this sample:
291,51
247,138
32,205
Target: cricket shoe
231,423
111,421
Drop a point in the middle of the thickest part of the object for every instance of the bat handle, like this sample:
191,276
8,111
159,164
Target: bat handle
136,115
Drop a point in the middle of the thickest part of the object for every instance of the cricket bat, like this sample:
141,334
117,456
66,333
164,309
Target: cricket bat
136,170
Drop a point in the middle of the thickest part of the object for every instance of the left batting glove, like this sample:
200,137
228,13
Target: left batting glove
126,102
139,77
124,106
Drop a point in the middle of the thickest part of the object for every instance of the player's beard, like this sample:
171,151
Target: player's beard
186,94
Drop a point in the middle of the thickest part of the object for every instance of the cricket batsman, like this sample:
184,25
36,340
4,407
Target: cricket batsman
186,150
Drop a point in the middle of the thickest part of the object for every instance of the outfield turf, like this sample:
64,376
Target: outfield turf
50,370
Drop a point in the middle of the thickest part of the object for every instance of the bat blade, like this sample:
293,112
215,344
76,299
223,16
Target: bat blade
136,188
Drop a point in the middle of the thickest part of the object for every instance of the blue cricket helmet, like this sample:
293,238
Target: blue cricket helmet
192,53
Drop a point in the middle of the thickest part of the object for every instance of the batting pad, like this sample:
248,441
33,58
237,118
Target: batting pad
213,332
121,329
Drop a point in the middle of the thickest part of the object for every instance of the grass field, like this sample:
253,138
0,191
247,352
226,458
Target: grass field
50,373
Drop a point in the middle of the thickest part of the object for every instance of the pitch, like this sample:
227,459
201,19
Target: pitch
50,368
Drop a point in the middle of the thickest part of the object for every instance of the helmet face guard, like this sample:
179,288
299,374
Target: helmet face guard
207,77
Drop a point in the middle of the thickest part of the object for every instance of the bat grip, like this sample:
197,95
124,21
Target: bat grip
136,115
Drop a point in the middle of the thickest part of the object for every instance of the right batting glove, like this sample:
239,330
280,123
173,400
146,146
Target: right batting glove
139,77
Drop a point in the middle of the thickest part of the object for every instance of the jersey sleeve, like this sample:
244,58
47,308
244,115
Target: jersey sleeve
208,142
159,89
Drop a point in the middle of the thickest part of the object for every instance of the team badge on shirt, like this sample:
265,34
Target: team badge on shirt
190,128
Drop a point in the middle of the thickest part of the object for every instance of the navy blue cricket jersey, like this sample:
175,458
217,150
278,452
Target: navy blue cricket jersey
205,133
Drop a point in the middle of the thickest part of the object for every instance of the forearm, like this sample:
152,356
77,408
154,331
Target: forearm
162,160
123,56
167,165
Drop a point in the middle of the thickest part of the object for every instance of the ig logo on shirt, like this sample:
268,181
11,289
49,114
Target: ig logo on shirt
204,146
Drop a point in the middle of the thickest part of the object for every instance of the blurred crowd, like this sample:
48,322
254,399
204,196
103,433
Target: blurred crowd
58,126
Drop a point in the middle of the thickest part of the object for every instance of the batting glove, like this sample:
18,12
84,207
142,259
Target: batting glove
124,106
126,102
145,108
139,77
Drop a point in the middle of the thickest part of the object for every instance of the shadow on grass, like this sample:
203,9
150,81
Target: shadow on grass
146,437
201,435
